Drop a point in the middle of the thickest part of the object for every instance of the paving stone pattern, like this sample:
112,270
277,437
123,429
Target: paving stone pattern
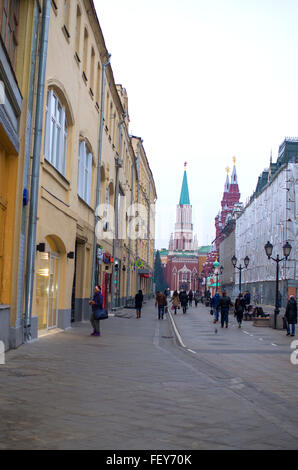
136,388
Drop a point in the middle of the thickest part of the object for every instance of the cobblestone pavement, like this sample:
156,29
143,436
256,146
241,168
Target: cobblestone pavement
135,387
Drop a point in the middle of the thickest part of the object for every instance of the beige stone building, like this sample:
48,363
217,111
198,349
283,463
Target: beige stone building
89,165
71,174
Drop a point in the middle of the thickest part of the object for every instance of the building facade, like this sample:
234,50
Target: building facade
20,26
90,175
271,216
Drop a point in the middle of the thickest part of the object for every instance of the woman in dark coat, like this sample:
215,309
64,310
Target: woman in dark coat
138,303
291,315
96,303
239,309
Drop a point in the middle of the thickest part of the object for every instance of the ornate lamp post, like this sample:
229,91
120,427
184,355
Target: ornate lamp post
240,267
286,251
205,275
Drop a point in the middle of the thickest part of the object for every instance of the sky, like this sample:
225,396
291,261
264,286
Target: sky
207,80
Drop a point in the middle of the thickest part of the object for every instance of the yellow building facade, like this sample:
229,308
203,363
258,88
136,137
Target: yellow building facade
92,175
20,22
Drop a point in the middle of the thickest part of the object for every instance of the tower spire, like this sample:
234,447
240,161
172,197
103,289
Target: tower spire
184,196
234,179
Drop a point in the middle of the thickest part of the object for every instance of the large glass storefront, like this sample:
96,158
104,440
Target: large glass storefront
47,290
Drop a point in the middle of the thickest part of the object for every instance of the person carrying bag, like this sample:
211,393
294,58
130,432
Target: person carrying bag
98,313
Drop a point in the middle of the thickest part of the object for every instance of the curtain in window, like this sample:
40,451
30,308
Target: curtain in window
55,148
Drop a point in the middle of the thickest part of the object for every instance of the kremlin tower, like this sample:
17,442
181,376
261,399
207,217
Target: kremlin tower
229,203
231,196
182,260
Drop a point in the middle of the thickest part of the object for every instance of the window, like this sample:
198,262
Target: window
85,52
9,12
78,31
92,70
66,15
98,84
84,172
56,133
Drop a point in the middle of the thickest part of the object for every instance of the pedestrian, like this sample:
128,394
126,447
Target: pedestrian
190,297
96,303
196,297
138,303
291,315
214,304
239,309
246,299
160,302
208,297
183,300
175,301
224,306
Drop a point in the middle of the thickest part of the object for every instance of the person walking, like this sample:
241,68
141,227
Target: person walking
291,315
96,303
246,299
138,303
190,297
214,304
160,302
175,301
183,300
224,305
196,297
239,309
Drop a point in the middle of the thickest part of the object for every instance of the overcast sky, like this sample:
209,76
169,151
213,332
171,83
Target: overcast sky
206,80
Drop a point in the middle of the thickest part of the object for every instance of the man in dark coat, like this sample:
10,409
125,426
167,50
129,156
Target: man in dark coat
291,315
138,303
224,304
183,300
246,299
214,304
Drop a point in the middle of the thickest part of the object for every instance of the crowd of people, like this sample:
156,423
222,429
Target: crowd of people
183,300
221,307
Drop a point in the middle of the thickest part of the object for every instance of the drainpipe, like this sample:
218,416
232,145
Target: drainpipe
118,165
98,181
129,235
30,262
138,198
148,237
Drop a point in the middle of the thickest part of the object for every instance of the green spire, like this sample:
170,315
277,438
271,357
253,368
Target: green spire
184,196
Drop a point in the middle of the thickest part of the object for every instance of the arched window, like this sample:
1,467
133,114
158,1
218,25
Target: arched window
55,133
84,172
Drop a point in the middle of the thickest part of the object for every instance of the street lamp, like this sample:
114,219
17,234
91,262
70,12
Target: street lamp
286,251
240,267
217,270
205,275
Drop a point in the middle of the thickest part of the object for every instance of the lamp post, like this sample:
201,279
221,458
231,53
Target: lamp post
286,251
240,267
204,275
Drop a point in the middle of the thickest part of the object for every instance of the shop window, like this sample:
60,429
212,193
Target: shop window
56,133
84,172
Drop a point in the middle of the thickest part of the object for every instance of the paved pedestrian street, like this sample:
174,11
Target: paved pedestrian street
138,387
